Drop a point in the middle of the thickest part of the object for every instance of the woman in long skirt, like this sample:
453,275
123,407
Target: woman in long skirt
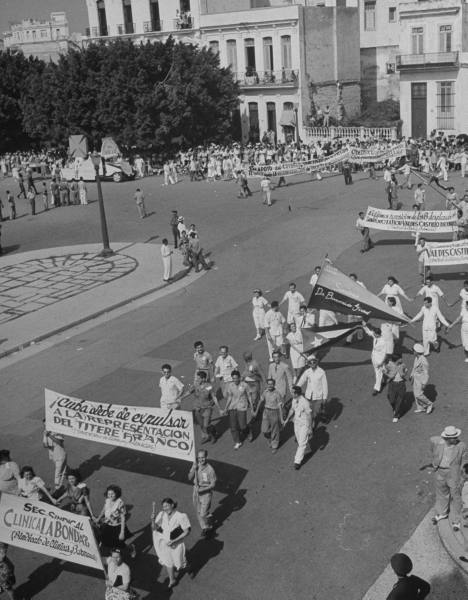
296,343
259,303
166,254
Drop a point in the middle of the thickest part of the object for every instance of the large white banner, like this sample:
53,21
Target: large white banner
424,221
153,430
43,528
446,253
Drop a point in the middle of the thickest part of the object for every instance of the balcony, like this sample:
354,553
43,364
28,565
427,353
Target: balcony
150,26
126,28
184,21
261,79
430,61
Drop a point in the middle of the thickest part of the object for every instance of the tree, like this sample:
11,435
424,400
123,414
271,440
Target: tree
159,96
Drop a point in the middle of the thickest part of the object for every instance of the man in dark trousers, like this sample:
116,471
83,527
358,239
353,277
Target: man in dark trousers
408,587
175,231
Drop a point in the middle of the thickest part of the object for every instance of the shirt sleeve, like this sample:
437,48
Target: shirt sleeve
184,521
325,386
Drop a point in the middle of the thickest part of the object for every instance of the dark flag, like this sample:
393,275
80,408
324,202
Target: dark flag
318,337
337,292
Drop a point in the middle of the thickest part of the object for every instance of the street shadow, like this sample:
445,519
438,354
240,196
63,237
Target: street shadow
451,585
459,276
394,242
152,238
332,410
229,476
319,441
10,249
232,502
202,552
3,340
90,466
180,274
329,366
407,404
431,392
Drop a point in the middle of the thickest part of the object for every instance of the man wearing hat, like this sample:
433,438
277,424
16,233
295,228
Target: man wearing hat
316,391
419,377
408,587
448,456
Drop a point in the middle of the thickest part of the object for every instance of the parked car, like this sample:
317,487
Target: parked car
115,171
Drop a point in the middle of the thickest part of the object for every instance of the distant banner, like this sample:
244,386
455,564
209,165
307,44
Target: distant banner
153,430
43,528
373,154
424,221
446,253
109,148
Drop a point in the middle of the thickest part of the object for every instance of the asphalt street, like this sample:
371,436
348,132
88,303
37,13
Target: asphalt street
325,532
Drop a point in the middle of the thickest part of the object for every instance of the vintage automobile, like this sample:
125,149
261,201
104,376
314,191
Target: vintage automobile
117,171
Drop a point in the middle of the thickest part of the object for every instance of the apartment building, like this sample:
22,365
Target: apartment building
289,57
44,39
380,33
432,63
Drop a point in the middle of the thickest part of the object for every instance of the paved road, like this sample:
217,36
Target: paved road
325,532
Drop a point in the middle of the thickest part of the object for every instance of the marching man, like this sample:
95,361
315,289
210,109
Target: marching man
429,314
379,353
302,414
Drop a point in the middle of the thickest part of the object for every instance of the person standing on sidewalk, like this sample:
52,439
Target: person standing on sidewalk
204,481
408,587
166,254
11,205
140,202
302,413
419,377
449,454
175,230
265,185
31,196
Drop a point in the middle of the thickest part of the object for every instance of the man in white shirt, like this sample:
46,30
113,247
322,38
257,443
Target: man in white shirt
224,366
171,389
274,328
378,355
395,327
294,300
421,252
463,295
430,290
265,185
315,276
429,314
420,197
302,417
316,392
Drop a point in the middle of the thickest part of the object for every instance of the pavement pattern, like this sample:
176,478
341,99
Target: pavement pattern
28,286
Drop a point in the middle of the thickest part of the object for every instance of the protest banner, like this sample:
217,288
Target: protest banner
40,527
424,221
440,254
315,338
153,430
336,291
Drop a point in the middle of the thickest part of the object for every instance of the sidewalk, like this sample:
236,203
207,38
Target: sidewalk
47,291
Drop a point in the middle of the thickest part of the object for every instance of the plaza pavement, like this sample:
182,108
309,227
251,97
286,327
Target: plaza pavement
325,532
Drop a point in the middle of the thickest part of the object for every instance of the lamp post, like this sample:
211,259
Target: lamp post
106,249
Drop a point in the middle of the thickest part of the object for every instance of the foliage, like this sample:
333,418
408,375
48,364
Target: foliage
15,70
158,96
379,114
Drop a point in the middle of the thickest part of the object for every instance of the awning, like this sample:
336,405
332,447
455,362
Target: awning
288,119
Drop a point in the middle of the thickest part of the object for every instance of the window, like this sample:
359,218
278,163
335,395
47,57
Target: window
254,126
445,105
271,116
34,34
101,8
184,6
392,14
268,54
286,62
43,33
369,16
445,38
417,40
214,46
128,16
390,68
154,12
250,55
231,51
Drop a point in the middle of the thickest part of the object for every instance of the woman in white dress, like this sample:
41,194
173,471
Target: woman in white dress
170,528
259,303
166,254
83,191
392,290
464,326
296,343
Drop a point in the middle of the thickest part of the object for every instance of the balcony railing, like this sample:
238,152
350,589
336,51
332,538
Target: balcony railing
149,26
125,28
427,61
184,21
283,78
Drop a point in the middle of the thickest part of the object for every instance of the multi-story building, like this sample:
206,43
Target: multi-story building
380,32
433,66
41,38
289,57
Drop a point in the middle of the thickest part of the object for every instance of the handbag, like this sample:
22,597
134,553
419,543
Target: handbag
176,532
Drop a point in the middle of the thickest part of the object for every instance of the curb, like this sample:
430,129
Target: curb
454,543
78,322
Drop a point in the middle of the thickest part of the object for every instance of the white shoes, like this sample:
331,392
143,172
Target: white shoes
237,446
395,420
257,337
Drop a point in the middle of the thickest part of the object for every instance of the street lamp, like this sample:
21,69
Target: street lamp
296,108
106,249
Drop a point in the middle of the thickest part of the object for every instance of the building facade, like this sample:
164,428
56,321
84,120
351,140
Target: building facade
380,33
44,39
433,66
290,58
